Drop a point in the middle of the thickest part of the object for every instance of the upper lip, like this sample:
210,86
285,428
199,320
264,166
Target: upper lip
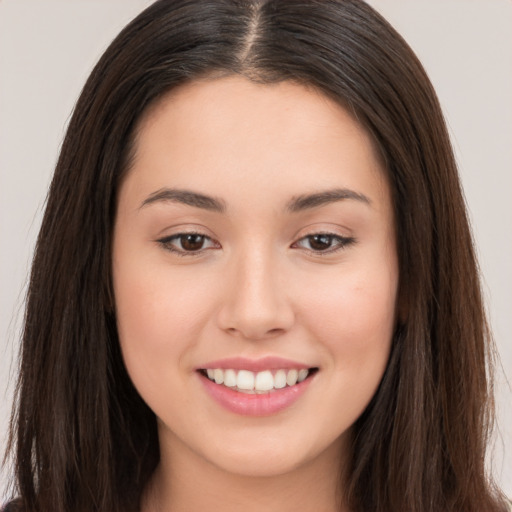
254,365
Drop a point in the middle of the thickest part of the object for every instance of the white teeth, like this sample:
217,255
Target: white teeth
218,375
261,382
245,380
280,379
230,378
264,381
291,377
302,375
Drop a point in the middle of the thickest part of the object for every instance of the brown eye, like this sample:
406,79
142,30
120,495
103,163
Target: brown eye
188,244
324,243
191,242
320,242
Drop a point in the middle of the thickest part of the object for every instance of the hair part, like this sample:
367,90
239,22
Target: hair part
82,438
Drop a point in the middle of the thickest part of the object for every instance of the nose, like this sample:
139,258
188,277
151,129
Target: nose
254,304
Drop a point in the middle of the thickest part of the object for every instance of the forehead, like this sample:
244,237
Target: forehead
236,102
232,135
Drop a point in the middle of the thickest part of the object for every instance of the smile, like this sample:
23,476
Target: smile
260,388
245,381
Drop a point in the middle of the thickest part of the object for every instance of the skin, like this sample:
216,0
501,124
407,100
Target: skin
257,287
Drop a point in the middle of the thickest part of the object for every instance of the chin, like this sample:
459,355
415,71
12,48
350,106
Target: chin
265,458
261,463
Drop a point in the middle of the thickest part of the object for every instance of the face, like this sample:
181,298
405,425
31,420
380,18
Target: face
255,273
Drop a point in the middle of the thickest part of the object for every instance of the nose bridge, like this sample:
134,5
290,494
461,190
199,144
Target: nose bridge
255,303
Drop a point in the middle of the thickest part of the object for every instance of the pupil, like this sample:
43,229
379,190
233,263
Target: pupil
192,242
319,242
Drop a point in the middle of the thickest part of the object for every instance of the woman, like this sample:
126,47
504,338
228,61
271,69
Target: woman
254,284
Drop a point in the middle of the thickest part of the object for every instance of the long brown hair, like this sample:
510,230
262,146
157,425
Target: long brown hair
81,437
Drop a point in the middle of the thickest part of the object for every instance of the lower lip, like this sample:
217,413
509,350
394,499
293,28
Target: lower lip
255,405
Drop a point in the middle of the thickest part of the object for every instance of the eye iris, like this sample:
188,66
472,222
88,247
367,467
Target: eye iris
320,242
192,242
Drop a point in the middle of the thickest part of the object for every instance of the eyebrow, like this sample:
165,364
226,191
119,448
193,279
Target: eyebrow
308,201
186,197
296,204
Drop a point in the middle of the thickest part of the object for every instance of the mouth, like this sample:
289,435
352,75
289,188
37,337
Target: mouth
257,383
258,391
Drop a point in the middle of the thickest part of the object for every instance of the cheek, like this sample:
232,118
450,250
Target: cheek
354,323
353,315
159,315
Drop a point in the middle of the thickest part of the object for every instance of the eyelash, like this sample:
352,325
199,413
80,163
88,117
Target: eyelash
341,243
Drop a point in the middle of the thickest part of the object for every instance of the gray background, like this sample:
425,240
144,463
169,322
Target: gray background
47,49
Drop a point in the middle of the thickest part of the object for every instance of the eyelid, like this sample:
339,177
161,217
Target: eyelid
165,242
343,242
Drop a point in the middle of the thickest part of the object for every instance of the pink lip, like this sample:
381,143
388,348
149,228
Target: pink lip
254,365
246,404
